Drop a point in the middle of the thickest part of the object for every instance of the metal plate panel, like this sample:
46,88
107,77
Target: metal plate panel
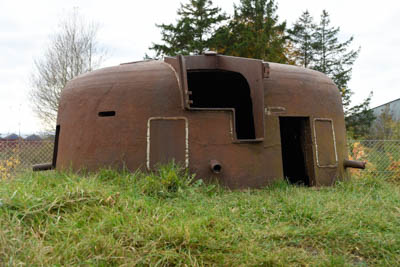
167,140
325,142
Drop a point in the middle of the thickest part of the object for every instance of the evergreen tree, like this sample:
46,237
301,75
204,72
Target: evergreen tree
318,47
333,57
359,119
254,32
191,34
336,59
301,34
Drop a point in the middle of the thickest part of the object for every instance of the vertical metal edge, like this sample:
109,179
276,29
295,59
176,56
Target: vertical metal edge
186,142
312,180
261,91
265,69
55,150
180,88
148,145
184,82
316,144
334,143
255,82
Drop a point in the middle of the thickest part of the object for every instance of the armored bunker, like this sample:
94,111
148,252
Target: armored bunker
242,121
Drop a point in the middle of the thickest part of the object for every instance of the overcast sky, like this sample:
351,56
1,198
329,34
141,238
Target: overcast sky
128,29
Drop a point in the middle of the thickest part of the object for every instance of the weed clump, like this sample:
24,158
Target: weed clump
167,181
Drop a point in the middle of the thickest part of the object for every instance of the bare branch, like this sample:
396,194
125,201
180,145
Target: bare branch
73,50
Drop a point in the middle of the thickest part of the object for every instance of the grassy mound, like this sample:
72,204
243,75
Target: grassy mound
167,218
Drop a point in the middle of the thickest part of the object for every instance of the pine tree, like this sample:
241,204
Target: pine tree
359,119
301,34
333,57
318,47
191,34
336,59
254,32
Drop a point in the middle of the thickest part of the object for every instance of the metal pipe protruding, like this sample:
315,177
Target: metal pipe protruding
354,164
42,167
215,166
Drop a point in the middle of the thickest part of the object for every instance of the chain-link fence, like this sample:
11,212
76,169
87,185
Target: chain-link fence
20,155
382,157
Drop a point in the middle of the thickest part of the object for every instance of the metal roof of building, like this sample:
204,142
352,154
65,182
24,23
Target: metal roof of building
12,137
393,107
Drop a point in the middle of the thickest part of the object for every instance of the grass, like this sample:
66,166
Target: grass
167,219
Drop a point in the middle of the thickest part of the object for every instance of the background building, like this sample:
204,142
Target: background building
392,107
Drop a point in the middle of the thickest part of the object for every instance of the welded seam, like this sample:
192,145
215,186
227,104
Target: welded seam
179,83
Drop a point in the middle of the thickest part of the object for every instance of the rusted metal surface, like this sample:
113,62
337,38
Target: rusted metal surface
325,143
354,164
167,140
253,70
137,115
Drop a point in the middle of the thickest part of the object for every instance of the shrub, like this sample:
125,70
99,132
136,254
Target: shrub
9,164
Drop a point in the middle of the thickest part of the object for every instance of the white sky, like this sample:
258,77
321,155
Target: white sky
128,29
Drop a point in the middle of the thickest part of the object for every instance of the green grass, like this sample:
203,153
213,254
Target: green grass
166,218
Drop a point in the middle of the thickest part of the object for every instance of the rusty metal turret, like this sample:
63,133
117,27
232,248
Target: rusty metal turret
242,121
